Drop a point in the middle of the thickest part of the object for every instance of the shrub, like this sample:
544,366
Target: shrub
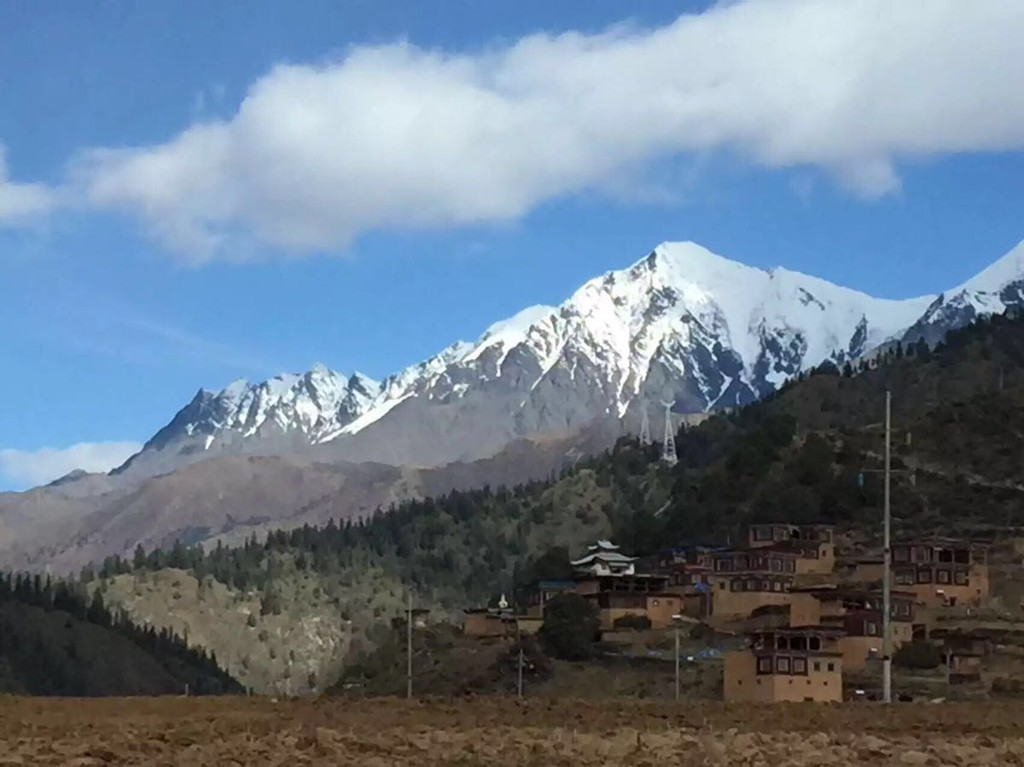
571,627
633,622
918,655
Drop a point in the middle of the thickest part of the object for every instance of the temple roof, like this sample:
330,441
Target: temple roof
609,557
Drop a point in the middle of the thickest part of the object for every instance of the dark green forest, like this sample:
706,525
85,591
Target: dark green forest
56,641
808,453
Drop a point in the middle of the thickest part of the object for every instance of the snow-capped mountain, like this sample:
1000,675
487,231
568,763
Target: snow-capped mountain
681,324
288,409
992,291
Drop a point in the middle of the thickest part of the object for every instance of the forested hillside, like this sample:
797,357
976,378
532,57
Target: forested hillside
53,641
805,454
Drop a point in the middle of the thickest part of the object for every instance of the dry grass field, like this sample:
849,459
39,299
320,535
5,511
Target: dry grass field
498,731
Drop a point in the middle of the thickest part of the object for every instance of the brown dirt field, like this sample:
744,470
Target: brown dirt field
493,731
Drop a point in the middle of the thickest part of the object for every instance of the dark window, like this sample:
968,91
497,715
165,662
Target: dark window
945,555
814,643
817,665
737,586
960,578
776,565
899,555
782,643
790,566
831,667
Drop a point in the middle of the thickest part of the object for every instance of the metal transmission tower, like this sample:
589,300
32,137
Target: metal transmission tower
645,426
668,447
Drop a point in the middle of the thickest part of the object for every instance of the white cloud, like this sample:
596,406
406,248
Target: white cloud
398,136
22,203
27,468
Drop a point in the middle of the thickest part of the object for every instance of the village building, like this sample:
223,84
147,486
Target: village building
608,579
689,569
744,581
498,622
962,652
604,558
814,544
940,572
484,623
858,613
637,594
786,664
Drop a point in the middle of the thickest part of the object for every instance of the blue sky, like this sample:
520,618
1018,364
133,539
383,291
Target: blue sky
405,173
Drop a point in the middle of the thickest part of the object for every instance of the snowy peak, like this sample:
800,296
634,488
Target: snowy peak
680,324
995,277
313,404
994,290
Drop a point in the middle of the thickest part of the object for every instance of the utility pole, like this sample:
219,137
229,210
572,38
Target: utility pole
675,621
677,661
408,650
887,561
888,471
519,679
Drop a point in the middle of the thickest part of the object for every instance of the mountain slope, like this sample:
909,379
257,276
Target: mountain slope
228,498
681,324
55,641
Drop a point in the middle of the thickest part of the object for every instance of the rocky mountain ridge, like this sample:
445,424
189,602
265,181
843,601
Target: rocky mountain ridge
681,324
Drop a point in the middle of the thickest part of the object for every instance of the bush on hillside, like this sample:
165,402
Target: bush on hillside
918,655
632,622
571,627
